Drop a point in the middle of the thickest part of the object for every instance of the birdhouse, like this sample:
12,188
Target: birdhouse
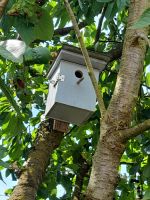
71,97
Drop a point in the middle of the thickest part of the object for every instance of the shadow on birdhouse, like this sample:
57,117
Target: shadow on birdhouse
71,96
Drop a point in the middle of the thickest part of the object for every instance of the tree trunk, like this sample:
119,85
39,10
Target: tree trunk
34,170
104,174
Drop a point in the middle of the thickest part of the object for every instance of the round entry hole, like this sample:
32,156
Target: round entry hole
78,74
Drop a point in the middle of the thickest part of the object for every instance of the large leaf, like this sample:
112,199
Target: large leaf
144,20
25,29
12,50
42,30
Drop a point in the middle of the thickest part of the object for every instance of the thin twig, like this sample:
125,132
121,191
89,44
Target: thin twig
98,33
87,59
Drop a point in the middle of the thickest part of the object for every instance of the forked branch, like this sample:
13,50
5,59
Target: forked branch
87,59
135,131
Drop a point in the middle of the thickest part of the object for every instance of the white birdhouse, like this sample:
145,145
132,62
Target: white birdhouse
71,97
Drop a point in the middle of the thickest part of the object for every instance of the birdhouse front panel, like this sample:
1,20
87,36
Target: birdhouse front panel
71,96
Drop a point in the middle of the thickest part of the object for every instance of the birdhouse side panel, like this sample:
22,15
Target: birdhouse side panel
51,99
76,90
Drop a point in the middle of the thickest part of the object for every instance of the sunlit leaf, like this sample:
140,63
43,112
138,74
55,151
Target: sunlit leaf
148,79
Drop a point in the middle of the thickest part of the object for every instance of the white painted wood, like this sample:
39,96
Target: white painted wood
71,99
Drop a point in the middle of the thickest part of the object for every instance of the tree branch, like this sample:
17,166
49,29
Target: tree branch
87,59
115,53
3,4
66,30
135,131
32,173
98,33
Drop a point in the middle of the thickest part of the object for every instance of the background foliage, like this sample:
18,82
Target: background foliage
24,89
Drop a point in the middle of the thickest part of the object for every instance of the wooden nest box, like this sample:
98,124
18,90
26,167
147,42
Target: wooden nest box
71,97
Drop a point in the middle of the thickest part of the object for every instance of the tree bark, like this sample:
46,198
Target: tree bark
34,170
104,174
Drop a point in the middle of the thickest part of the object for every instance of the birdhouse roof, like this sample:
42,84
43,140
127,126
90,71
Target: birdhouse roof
74,55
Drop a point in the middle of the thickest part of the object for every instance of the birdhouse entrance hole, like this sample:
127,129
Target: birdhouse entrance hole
78,74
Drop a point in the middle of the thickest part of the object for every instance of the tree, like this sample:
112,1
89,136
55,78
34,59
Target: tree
88,158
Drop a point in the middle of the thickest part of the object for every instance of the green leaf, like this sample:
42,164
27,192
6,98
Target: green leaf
38,55
148,79
1,178
146,171
3,152
42,30
121,4
25,29
111,10
143,21
7,172
147,195
4,164
7,93
8,192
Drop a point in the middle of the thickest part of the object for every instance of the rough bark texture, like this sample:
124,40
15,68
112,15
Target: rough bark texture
37,162
104,175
